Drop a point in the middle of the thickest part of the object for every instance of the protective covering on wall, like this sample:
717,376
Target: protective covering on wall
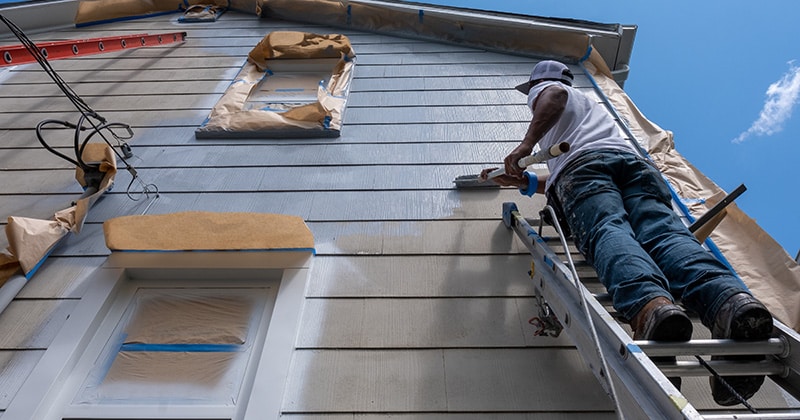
199,231
410,20
293,107
99,11
31,240
770,273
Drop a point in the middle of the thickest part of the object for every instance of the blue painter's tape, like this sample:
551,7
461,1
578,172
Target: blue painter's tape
38,265
179,348
270,109
326,122
633,348
587,55
689,201
549,262
421,15
311,250
708,242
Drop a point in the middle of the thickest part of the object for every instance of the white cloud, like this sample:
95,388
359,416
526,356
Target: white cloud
781,98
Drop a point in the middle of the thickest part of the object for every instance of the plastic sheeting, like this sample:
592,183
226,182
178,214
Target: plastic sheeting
168,378
190,318
286,53
178,346
765,267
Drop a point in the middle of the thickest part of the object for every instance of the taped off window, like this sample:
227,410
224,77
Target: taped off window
294,84
178,346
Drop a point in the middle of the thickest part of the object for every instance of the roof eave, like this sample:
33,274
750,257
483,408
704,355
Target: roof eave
535,36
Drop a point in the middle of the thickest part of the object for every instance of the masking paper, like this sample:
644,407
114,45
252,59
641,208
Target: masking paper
279,53
31,240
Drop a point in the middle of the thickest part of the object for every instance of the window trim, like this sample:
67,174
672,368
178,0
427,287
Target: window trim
43,394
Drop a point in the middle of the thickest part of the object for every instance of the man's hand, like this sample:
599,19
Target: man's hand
511,161
505,180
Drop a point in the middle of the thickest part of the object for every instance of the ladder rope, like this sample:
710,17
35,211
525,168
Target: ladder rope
595,337
726,385
606,373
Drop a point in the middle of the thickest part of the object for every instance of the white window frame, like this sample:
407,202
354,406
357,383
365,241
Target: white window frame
48,391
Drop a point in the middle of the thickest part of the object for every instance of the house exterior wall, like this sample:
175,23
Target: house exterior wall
418,299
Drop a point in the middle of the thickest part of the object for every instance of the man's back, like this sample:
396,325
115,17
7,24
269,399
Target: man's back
584,124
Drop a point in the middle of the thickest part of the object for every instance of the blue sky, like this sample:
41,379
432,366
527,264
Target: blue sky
722,76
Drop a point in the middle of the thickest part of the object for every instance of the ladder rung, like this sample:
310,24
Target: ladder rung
603,298
638,384
723,367
714,347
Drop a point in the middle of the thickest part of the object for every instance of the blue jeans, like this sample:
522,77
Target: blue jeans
619,209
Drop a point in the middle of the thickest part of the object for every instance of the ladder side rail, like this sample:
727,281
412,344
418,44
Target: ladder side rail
759,416
56,50
791,359
648,393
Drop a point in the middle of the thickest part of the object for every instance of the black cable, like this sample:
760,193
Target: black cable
40,58
88,115
725,384
39,128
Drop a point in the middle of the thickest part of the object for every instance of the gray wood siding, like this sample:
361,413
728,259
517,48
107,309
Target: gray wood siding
419,299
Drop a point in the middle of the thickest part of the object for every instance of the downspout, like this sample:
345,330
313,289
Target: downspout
12,286
675,198
10,289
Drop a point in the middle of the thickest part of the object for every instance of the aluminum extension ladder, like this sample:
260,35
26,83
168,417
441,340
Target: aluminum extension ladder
639,386
13,55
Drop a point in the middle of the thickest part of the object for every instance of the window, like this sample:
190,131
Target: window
192,335
174,347
294,84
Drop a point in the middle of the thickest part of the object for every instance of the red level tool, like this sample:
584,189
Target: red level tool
18,54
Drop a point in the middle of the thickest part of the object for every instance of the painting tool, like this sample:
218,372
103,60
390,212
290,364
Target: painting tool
475,181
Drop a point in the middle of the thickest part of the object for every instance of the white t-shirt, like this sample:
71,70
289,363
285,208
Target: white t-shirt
585,125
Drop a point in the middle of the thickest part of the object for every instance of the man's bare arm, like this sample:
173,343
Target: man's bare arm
547,109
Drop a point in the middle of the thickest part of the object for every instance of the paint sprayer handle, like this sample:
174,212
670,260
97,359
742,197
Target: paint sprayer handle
538,157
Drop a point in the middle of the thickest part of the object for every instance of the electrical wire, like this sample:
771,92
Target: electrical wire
584,304
89,121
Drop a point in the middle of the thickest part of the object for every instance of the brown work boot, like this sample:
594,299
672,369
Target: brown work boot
662,320
741,317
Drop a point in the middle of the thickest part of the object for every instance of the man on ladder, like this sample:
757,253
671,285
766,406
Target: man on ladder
619,211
